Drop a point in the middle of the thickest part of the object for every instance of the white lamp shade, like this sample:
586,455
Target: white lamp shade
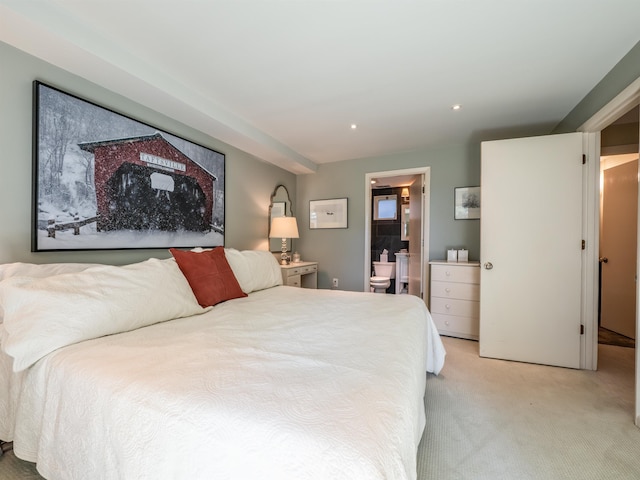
284,227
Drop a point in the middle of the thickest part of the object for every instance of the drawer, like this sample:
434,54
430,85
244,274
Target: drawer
455,273
451,306
291,272
309,269
453,325
301,270
293,281
462,291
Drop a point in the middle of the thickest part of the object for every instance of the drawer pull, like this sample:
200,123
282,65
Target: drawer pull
446,322
447,273
447,306
448,290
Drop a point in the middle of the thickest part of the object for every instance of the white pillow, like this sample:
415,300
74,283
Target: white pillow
240,268
254,269
44,314
19,269
264,268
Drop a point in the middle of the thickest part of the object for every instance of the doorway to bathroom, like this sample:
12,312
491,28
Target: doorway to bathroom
406,233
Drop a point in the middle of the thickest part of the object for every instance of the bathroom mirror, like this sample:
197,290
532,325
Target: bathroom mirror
404,224
280,206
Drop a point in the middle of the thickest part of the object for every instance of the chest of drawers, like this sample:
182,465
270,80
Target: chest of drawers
455,298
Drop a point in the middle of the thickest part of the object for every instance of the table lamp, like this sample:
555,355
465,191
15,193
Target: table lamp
284,227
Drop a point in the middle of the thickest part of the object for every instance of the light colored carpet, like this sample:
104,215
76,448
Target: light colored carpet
493,419
497,420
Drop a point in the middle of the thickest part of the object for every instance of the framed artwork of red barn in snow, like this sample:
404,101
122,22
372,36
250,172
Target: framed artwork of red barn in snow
104,181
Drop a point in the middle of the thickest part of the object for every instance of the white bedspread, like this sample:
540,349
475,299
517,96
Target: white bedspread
287,383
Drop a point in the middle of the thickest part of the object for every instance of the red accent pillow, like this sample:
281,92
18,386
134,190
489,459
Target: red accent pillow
209,275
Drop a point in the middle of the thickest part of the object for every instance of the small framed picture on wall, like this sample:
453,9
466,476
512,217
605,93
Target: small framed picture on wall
467,203
331,213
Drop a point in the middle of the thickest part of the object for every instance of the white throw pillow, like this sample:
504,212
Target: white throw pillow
44,314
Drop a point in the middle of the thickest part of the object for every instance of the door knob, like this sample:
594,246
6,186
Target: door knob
488,266
604,260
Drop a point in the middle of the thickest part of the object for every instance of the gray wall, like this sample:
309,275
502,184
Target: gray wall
340,252
626,71
249,181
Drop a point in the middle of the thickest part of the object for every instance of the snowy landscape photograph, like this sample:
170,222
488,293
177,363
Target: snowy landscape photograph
105,181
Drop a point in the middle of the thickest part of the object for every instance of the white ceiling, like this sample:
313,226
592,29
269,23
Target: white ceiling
284,80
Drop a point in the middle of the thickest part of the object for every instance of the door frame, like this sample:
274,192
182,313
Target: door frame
426,200
620,104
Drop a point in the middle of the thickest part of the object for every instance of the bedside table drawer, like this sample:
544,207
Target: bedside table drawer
450,306
310,268
291,272
462,291
455,273
294,280
302,270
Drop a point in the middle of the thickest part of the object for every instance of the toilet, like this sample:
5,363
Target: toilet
383,272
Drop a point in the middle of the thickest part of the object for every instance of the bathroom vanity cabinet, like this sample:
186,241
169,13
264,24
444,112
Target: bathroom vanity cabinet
402,272
455,298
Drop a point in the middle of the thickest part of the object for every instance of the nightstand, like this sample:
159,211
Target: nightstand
300,274
455,298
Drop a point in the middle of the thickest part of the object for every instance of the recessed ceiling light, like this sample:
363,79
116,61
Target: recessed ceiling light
353,126
373,181
457,106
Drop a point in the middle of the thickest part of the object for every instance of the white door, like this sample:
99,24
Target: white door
416,250
531,249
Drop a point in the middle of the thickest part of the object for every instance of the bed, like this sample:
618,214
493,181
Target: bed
278,383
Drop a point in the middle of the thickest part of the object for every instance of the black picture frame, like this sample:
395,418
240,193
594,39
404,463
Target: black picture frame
466,203
105,181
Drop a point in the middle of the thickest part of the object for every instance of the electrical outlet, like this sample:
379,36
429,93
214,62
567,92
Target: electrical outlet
335,283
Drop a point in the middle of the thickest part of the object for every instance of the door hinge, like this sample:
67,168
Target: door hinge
581,329
584,244
584,159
